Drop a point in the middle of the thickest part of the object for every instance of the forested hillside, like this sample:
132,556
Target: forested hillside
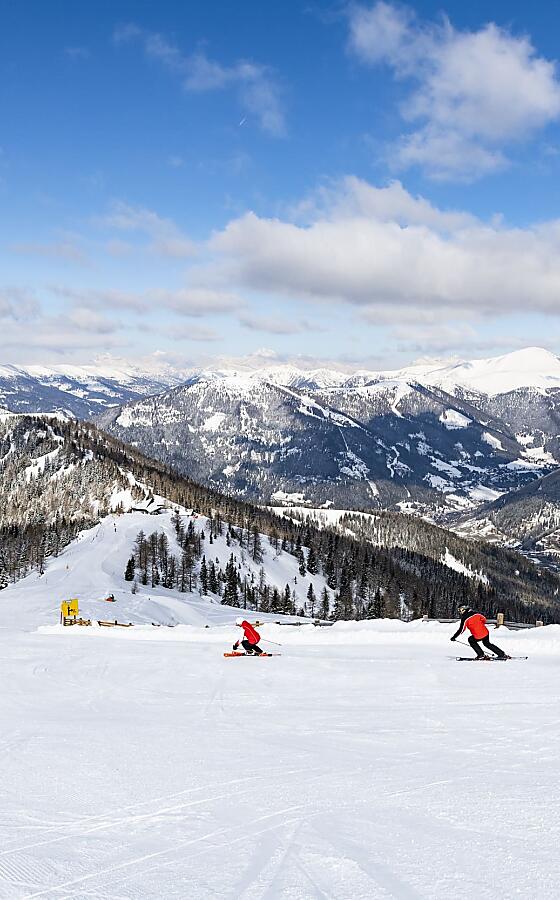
60,476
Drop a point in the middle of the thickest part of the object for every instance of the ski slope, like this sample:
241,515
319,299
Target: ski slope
362,764
92,568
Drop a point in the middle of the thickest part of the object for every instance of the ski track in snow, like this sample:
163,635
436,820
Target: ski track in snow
364,764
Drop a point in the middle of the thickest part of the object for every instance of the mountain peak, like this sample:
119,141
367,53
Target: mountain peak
530,367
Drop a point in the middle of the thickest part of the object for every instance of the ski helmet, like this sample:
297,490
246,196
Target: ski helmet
239,621
462,609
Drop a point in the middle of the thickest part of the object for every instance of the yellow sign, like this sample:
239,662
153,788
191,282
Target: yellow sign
69,608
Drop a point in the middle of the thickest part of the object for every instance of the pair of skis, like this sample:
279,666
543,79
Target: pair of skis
487,658
236,653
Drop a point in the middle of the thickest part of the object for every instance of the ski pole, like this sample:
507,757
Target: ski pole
271,642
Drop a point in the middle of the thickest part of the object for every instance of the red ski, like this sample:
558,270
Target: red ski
237,653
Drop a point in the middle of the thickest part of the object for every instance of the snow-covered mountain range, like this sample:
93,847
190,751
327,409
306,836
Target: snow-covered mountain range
86,390
435,440
532,367
438,439
81,391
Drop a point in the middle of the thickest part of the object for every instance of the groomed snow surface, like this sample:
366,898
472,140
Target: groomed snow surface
363,763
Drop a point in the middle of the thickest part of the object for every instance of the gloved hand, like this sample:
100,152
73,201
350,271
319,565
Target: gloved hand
236,645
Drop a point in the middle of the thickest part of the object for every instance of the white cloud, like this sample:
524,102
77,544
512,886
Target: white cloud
196,302
258,93
190,332
77,53
175,161
18,304
93,298
474,91
375,248
55,335
166,237
118,248
89,320
351,197
191,302
275,324
63,250
447,155
30,332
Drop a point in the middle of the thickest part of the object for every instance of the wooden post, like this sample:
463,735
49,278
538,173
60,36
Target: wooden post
499,619
539,623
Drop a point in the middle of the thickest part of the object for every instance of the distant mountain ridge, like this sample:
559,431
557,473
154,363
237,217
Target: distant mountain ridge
531,367
81,391
437,439
85,390
392,443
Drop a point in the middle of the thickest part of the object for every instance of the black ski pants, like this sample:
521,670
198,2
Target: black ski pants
475,644
250,648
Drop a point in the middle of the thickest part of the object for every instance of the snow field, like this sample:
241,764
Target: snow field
379,770
363,764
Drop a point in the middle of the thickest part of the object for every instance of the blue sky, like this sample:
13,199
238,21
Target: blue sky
352,185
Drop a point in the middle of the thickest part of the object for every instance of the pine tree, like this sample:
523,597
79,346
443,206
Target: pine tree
377,606
170,573
255,543
213,585
231,594
312,566
275,601
392,600
264,599
287,600
344,604
176,522
186,570
129,571
311,601
203,577
325,604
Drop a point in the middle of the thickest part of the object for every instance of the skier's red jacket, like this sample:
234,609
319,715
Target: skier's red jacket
251,635
475,622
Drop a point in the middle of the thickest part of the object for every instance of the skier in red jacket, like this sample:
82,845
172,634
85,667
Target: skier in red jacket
476,624
251,638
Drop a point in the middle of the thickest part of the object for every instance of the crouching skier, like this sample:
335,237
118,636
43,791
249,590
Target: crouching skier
251,638
476,624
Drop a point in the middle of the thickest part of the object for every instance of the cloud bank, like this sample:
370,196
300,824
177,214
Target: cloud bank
471,93
375,248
